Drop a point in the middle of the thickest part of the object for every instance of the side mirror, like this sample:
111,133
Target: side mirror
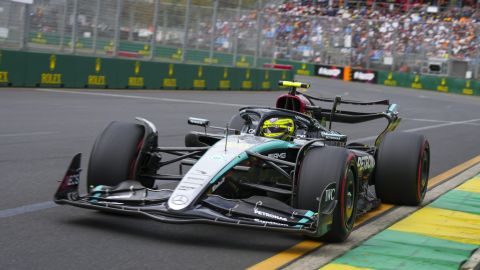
198,122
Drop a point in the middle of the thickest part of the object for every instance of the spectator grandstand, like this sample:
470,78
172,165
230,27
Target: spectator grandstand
400,28
399,35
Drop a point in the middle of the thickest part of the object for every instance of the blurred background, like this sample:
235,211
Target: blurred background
427,37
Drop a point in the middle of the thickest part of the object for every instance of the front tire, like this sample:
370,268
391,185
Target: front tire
320,167
114,155
403,162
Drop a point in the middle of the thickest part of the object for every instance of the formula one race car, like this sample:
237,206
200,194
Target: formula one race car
276,169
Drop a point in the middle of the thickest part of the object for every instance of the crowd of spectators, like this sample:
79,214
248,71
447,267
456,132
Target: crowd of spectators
314,30
377,31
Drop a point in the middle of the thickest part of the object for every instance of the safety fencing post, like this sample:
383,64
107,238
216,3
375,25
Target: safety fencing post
116,41
74,26
26,27
63,26
185,31
214,30
95,29
259,32
235,45
155,29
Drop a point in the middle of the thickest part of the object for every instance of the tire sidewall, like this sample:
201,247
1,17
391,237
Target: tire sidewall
398,168
114,154
333,164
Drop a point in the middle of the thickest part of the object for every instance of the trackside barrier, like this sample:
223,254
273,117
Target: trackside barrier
173,54
169,53
409,80
28,69
434,83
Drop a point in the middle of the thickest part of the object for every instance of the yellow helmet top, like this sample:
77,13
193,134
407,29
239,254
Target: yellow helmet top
278,128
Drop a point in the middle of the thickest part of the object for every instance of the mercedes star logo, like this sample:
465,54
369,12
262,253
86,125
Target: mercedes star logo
179,200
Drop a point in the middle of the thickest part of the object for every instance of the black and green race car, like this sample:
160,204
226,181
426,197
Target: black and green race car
278,169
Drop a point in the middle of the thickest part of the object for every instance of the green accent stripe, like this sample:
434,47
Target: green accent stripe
303,220
97,188
95,195
459,200
309,213
275,144
270,145
243,156
399,250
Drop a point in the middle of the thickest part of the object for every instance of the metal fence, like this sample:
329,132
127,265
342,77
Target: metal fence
241,33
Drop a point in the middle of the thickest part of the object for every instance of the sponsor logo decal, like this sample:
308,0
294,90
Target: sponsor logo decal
73,180
365,162
330,136
199,82
363,76
278,155
266,214
125,196
217,185
201,172
96,80
135,81
329,194
224,84
218,157
329,72
3,77
180,200
270,222
51,78
390,81
417,82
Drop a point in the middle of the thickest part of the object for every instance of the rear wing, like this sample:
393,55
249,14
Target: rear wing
293,91
351,117
345,101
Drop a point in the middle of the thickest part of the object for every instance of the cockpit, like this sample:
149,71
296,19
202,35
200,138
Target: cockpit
274,123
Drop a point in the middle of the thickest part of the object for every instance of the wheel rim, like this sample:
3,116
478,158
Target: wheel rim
349,195
424,163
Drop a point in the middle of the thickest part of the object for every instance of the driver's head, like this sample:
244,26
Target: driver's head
278,128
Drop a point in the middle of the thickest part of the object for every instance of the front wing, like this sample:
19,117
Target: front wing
131,198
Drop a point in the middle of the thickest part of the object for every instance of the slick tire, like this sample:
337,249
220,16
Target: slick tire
320,167
114,155
403,162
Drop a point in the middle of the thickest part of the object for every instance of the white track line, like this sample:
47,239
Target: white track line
145,98
422,128
27,134
439,121
426,120
26,209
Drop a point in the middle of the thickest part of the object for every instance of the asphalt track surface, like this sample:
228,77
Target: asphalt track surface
40,130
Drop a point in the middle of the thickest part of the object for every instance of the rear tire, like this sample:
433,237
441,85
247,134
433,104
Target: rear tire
403,162
320,167
114,155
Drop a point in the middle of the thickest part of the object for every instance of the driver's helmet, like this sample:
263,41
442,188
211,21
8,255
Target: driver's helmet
278,128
